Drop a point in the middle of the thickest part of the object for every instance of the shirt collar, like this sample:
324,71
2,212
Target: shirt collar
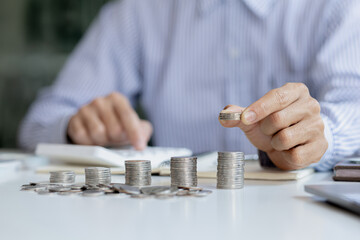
260,7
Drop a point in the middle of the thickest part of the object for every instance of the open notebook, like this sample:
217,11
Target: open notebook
74,157
207,169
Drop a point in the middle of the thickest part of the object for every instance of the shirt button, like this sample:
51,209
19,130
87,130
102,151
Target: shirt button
234,52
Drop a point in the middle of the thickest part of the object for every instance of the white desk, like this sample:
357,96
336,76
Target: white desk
262,210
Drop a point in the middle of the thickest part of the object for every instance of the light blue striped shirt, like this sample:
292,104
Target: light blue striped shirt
184,60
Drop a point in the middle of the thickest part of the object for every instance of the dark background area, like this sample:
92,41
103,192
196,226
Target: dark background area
36,38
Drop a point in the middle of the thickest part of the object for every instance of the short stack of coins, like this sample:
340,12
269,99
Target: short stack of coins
230,170
138,172
183,171
97,175
224,115
64,177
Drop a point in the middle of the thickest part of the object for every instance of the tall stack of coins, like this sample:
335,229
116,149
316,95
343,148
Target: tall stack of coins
183,171
97,175
138,172
230,170
66,177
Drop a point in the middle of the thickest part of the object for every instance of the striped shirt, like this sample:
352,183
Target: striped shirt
184,60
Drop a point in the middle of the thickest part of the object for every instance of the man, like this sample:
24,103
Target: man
184,60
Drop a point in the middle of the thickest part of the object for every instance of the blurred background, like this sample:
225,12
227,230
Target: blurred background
36,36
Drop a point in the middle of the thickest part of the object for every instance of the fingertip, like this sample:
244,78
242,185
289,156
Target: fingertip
222,122
227,106
140,145
229,123
232,108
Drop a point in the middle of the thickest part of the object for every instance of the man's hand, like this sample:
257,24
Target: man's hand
107,121
286,124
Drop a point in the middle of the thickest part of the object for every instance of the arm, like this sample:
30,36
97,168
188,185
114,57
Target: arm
106,60
296,130
336,80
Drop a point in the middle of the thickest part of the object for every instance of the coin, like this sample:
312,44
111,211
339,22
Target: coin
31,188
123,188
92,193
64,193
201,193
77,186
154,190
190,188
164,196
229,115
182,193
44,192
59,189
140,196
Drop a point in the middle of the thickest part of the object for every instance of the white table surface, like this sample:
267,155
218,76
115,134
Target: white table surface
262,210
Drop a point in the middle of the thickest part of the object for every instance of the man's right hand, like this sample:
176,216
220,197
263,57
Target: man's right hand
109,121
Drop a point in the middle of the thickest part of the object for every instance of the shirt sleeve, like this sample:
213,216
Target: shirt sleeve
106,60
335,76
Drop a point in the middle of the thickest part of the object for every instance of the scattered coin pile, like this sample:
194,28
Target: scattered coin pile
229,115
138,172
230,170
62,177
183,171
97,175
160,192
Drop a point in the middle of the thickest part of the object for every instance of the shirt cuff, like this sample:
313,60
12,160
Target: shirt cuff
325,162
59,134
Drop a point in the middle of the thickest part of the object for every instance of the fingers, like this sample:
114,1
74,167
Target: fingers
94,126
295,135
283,118
253,132
109,118
296,112
286,124
275,100
109,121
146,130
77,132
300,156
129,120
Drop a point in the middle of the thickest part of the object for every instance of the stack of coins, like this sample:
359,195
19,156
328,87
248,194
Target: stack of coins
229,115
183,171
66,177
138,172
230,170
97,175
